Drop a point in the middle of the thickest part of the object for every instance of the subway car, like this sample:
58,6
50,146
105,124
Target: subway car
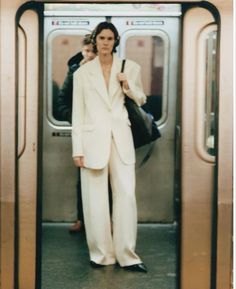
184,180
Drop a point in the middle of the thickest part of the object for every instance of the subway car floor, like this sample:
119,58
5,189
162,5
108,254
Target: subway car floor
65,260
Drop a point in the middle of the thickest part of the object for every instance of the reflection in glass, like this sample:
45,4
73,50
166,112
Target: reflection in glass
210,92
148,51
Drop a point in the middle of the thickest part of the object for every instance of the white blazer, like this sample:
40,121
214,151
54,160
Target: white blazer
99,114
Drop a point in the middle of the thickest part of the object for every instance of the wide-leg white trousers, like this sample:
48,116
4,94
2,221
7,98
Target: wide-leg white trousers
104,247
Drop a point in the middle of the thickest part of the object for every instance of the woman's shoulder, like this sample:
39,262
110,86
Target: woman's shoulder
128,62
83,69
88,65
132,64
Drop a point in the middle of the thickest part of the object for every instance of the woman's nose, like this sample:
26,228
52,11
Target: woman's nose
105,41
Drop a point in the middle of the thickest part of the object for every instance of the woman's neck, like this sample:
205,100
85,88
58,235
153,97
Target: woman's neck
105,59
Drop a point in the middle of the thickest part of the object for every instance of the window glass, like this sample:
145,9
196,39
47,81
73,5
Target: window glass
148,51
64,47
210,92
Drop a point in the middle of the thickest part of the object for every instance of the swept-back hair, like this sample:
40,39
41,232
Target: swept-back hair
98,29
87,39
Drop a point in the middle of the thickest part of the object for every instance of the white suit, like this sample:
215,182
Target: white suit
101,133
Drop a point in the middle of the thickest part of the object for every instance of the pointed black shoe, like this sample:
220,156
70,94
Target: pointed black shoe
136,268
96,265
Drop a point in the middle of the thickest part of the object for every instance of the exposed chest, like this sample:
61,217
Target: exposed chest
106,71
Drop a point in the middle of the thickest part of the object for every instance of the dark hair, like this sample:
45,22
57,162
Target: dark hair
98,29
87,39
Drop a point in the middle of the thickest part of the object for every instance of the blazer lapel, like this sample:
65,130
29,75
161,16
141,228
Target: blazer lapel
114,84
98,80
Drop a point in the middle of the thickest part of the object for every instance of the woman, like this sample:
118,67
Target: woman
102,144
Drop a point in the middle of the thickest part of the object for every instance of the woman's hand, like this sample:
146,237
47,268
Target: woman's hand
122,78
79,162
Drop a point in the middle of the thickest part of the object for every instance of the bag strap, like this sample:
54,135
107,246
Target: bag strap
147,156
123,65
122,70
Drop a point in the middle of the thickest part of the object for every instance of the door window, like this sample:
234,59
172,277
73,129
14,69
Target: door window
60,79
151,52
210,92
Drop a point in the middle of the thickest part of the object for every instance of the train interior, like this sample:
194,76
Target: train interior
153,42
151,35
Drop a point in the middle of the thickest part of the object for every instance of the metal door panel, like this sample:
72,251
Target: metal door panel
197,172
27,149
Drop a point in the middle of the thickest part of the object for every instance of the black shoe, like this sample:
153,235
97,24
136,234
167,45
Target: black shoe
136,268
96,265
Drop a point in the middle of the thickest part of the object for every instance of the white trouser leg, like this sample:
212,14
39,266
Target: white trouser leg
97,215
122,178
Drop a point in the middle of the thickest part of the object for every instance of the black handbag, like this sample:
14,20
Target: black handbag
143,126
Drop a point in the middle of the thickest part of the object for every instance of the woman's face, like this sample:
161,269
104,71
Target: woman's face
105,41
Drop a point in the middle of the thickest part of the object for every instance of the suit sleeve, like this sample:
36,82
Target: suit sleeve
135,90
77,115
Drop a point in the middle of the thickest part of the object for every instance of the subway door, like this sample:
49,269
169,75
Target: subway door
63,39
197,136
28,87
153,42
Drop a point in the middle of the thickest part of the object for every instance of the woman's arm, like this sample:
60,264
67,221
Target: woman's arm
132,84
